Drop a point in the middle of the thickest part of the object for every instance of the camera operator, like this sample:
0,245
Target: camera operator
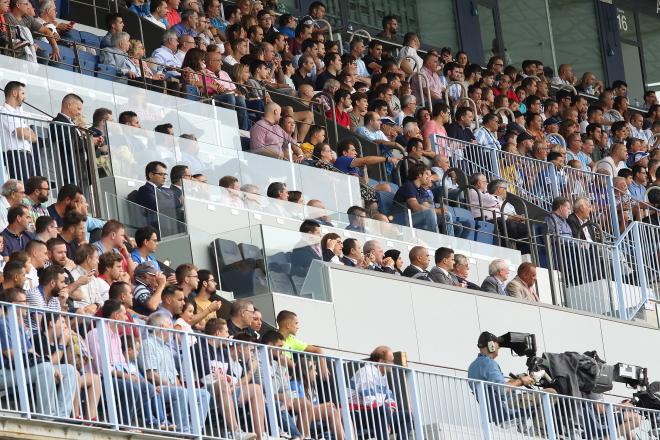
485,368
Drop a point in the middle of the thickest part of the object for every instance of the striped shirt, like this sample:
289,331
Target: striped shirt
486,138
37,299
156,355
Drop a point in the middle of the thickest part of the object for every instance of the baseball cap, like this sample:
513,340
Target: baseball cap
524,136
387,120
485,338
146,268
563,93
551,121
514,127
633,158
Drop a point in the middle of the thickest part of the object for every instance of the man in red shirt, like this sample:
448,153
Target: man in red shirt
342,103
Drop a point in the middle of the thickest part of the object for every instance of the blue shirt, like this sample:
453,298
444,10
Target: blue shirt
557,225
14,243
135,256
637,192
181,29
343,164
53,213
485,368
219,24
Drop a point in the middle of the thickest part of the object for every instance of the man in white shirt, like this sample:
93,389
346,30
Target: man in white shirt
482,203
17,135
92,295
616,160
408,58
11,195
165,54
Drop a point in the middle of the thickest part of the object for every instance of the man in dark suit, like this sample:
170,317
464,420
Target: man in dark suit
461,271
498,274
308,250
71,141
156,197
352,252
419,261
374,258
581,226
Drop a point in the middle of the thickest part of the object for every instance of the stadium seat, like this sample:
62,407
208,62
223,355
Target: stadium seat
73,35
90,39
87,62
67,59
485,232
106,72
44,51
237,275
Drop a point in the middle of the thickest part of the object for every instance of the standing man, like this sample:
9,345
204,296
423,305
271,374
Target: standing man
19,137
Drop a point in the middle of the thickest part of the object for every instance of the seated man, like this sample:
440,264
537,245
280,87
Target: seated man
444,264
522,286
117,56
159,365
154,196
411,195
498,274
419,261
378,412
486,369
555,222
269,139
375,259
308,250
54,387
461,271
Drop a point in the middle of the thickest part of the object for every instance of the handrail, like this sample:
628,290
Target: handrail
506,110
569,87
421,89
360,33
323,20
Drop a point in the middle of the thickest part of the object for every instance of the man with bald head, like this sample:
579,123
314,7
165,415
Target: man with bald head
523,285
374,257
419,261
269,139
371,390
318,212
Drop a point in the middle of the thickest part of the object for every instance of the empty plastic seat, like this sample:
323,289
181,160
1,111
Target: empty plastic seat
73,35
250,252
67,59
44,52
90,39
88,63
237,275
485,232
106,72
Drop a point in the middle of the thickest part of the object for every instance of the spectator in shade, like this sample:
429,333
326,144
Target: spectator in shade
288,325
460,128
240,317
113,239
13,193
444,264
280,193
318,212
88,298
52,293
395,255
158,10
356,219
165,55
348,161
188,24
579,222
45,228
522,286
498,274
38,255
352,253
68,197
374,258
15,235
461,271
149,286
332,62
14,275
331,246
429,71
308,249
114,23
153,195
109,273
343,101
419,261
637,187
73,231
411,195
556,222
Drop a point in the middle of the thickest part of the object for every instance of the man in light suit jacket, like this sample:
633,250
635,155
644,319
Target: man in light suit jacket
117,56
444,263
498,273
522,286
419,261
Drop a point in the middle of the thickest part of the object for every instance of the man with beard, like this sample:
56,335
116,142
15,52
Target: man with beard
36,194
68,197
206,298
51,294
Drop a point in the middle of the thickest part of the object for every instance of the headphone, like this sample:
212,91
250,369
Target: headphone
491,347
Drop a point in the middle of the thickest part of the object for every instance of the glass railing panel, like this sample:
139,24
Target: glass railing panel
152,108
338,191
35,76
253,167
212,161
132,148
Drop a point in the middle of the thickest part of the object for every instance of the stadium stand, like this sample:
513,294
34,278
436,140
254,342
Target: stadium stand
239,152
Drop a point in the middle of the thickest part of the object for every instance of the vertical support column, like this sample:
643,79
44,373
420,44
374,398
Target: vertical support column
548,417
611,422
613,205
269,394
494,163
618,280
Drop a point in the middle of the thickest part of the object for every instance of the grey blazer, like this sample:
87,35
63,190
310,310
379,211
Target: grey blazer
491,285
438,276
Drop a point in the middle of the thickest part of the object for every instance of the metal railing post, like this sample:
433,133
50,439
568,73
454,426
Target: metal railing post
641,265
343,398
106,376
494,163
611,199
548,417
552,175
611,422
483,410
17,355
267,386
416,406
618,280
189,378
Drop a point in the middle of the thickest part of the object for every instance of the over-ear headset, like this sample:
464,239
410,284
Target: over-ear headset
491,347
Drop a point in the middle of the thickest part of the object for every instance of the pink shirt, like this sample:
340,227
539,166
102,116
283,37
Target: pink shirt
430,127
265,136
113,347
434,83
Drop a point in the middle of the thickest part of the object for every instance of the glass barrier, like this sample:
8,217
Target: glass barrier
132,148
47,85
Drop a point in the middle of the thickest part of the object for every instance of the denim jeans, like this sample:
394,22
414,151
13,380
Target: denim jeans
237,103
133,395
177,400
51,399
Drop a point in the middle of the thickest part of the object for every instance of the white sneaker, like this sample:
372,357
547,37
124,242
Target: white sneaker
245,436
